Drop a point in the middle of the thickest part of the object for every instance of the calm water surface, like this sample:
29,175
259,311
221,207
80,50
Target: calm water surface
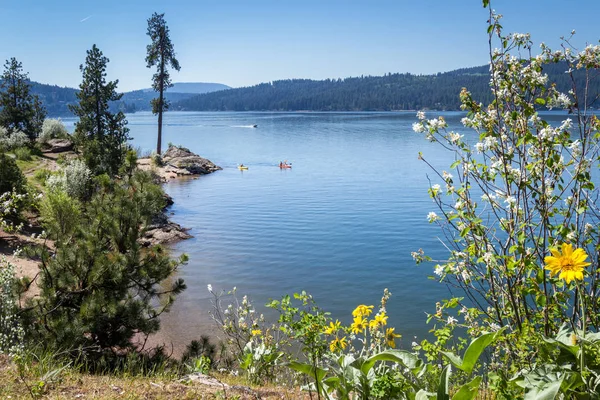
341,224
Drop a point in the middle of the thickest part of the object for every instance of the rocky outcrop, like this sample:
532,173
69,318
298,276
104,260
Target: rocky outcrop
58,146
183,162
163,231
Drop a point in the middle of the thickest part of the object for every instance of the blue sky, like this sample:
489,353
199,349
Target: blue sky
245,42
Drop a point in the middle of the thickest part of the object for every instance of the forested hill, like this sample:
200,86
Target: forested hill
56,99
369,93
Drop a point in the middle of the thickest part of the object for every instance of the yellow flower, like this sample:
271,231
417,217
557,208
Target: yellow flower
256,332
379,320
390,337
362,311
359,325
333,327
570,263
338,344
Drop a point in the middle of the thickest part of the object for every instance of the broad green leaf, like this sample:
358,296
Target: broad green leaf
475,349
403,357
454,359
444,385
548,391
540,101
314,372
468,391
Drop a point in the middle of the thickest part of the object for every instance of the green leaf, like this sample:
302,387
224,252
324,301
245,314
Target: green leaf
473,352
454,359
314,372
444,386
407,359
547,391
540,101
468,391
486,3
475,349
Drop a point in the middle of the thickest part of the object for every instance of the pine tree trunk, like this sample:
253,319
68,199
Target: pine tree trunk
160,115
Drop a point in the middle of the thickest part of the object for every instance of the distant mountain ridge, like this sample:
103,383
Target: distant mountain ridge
194,87
389,92
369,93
56,98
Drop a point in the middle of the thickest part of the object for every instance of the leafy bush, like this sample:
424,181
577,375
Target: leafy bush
23,154
42,175
11,331
12,141
74,178
519,202
53,129
156,159
11,177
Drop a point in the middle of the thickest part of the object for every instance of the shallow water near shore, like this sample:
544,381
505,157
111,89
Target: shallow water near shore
341,224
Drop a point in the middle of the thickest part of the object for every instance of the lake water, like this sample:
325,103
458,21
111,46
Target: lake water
341,224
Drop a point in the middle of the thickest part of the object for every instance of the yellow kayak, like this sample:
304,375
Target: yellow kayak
241,167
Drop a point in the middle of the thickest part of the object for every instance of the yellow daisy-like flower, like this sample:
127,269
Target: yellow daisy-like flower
359,325
362,311
333,327
390,337
256,332
338,344
379,320
570,263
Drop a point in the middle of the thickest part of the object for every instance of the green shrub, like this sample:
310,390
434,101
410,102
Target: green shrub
74,178
156,159
53,129
23,154
11,177
12,141
41,175
11,331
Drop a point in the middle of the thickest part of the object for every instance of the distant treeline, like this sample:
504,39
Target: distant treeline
56,98
367,93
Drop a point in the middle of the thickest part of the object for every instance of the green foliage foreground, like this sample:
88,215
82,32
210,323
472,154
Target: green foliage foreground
100,288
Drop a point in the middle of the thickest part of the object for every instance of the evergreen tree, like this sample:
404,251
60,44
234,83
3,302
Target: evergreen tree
19,109
101,134
160,54
100,288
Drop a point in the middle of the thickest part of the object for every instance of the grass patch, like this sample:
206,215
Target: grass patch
28,166
49,377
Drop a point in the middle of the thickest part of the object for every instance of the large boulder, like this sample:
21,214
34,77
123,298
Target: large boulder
58,146
184,160
163,231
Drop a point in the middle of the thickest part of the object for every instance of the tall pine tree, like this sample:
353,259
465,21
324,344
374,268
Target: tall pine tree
19,109
162,55
101,134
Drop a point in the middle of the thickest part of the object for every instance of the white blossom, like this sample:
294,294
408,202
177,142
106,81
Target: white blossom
418,127
432,217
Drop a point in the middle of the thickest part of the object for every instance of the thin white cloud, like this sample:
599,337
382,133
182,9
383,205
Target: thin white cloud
86,18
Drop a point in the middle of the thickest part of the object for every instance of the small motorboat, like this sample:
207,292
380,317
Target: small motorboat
255,126
285,166
242,167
